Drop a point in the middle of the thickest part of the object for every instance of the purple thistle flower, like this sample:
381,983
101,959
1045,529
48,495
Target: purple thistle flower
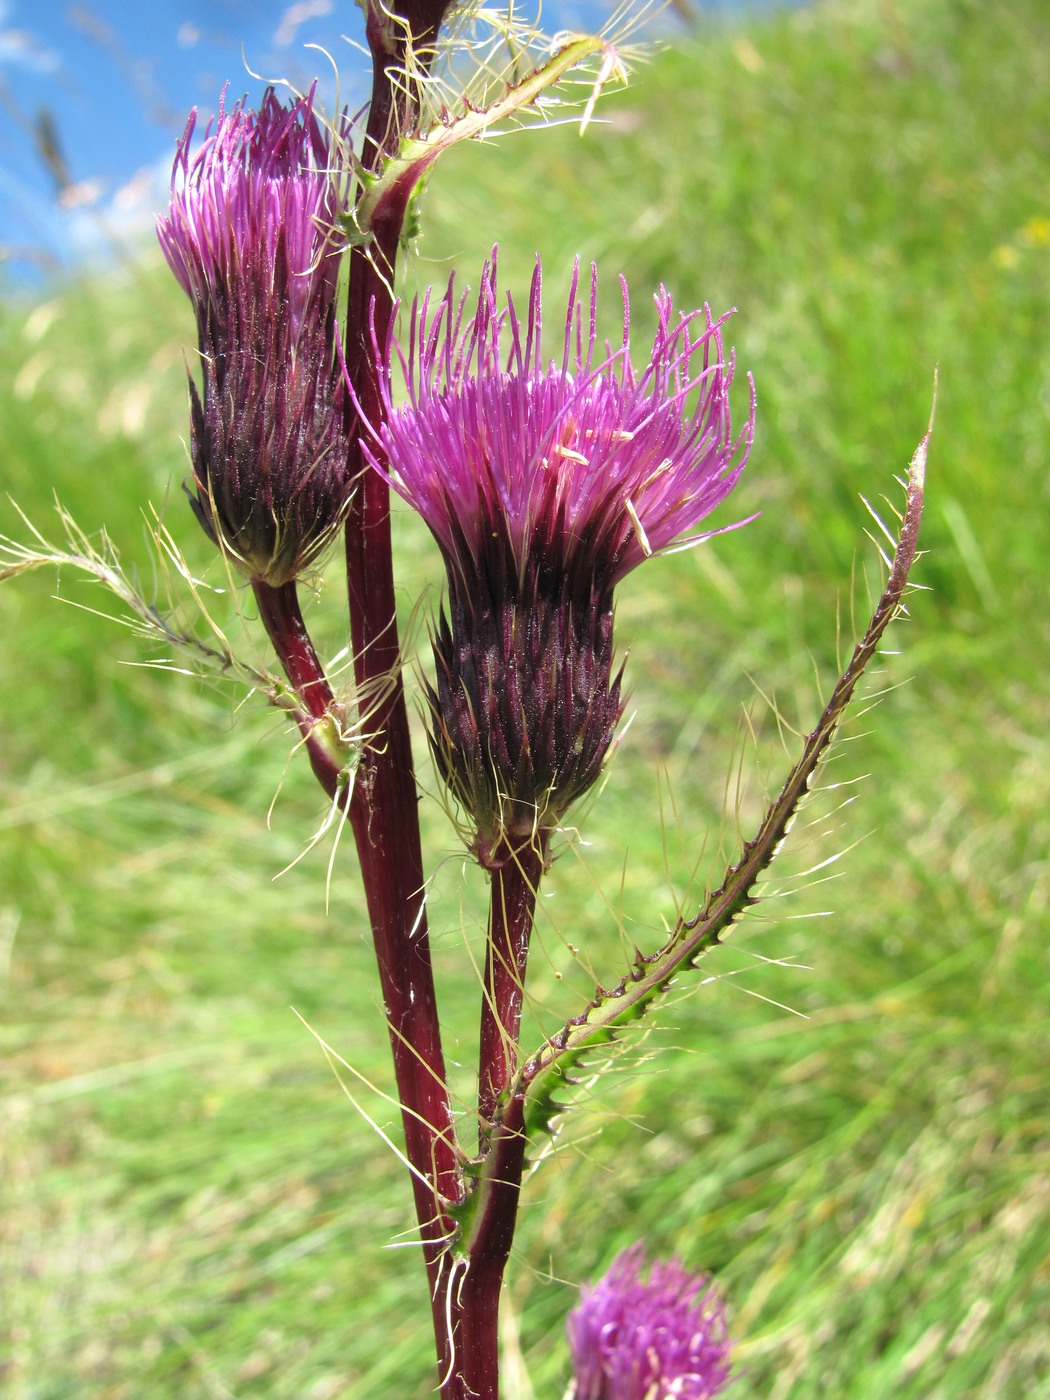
252,237
545,483
658,1338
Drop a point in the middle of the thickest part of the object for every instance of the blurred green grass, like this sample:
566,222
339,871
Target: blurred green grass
848,1119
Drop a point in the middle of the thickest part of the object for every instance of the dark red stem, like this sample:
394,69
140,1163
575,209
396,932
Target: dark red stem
479,1293
384,807
283,620
514,886
515,882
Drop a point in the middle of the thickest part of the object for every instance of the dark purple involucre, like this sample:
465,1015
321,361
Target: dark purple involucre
656,1338
545,483
252,237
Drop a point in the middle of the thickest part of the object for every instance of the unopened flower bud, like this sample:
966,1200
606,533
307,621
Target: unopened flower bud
252,237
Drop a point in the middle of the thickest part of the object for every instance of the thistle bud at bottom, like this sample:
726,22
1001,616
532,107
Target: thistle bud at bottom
661,1337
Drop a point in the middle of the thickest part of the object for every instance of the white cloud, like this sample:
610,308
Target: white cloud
297,15
20,49
98,231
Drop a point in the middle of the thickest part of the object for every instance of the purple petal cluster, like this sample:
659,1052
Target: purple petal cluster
544,482
252,237
661,1337
580,457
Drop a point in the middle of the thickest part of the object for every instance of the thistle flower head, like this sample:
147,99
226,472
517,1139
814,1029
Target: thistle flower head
545,482
662,1337
579,455
251,236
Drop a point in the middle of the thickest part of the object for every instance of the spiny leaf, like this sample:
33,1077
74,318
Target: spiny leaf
608,1012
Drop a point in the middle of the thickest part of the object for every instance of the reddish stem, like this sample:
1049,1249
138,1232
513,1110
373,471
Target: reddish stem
514,886
515,882
479,1295
283,620
384,806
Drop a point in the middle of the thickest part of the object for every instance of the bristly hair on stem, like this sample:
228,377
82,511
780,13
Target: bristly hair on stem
550,1069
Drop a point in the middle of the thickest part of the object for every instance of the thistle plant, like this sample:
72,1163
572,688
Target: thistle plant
547,468
544,484
252,237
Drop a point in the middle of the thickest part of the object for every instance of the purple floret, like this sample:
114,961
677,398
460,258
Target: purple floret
577,455
252,236
661,1337
544,482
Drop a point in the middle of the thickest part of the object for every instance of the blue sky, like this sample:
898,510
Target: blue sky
94,93
104,87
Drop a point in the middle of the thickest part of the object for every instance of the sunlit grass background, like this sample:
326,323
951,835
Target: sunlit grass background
858,1144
